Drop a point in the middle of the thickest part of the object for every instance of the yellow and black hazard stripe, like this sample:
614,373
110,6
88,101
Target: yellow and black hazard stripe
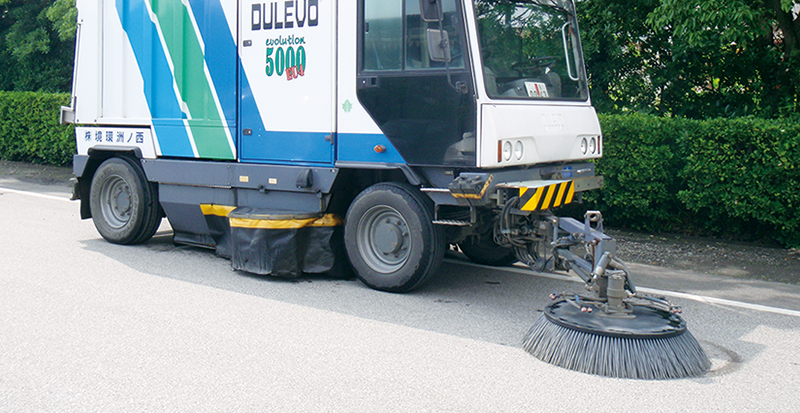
544,197
479,195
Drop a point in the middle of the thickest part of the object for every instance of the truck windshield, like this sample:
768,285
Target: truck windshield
530,49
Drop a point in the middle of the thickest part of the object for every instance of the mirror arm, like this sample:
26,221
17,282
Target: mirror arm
460,87
566,52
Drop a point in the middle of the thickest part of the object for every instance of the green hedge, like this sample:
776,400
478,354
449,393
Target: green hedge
29,129
733,177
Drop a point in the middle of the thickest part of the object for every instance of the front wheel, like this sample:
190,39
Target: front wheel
390,237
124,204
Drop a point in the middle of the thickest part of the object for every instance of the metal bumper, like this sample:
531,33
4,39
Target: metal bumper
541,195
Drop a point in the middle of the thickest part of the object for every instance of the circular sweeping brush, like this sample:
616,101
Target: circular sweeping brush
646,343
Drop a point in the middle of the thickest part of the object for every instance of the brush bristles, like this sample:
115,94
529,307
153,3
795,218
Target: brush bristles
633,358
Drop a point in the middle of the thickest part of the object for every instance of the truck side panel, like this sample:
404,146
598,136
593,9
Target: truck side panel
176,39
107,85
288,72
358,135
175,65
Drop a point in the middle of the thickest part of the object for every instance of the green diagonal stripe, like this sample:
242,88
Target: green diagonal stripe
187,58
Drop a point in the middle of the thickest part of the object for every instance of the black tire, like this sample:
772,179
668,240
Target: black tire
390,237
124,205
485,251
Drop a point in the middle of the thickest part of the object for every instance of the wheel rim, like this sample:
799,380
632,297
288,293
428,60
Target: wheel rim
383,238
115,201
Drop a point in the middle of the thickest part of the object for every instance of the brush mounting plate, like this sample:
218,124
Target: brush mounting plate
589,317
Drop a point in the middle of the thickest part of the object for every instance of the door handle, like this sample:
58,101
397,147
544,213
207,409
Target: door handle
368,82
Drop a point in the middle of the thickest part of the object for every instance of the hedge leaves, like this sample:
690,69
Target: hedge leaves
735,177
29,129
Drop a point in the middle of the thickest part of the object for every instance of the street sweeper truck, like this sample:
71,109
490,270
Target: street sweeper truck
364,137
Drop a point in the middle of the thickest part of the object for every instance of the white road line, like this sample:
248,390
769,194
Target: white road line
15,191
685,296
525,271
722,301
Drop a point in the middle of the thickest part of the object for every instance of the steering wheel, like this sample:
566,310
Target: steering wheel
535,63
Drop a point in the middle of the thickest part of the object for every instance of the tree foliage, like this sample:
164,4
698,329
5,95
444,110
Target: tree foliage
37,44
694,58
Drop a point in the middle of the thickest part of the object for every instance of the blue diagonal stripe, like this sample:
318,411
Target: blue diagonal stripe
157,76
220,52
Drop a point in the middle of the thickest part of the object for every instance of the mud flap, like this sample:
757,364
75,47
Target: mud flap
286,244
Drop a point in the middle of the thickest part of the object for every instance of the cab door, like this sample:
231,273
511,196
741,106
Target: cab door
287,81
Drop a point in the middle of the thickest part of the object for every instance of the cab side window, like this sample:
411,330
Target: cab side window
383,35
417,56
397,38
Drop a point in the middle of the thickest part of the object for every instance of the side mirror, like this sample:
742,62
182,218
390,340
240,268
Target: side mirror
438,45
430,11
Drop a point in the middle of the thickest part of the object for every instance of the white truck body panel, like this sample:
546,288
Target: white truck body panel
219,79
107,87
547,133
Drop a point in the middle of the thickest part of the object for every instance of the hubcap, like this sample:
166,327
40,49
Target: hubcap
115,200
384,240
389,236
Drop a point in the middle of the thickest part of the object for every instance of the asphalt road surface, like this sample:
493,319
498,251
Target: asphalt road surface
91,326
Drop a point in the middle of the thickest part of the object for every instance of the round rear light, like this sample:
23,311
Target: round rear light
507,150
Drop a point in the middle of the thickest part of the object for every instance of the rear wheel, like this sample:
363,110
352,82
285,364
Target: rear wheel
124,204
483,250
390,237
